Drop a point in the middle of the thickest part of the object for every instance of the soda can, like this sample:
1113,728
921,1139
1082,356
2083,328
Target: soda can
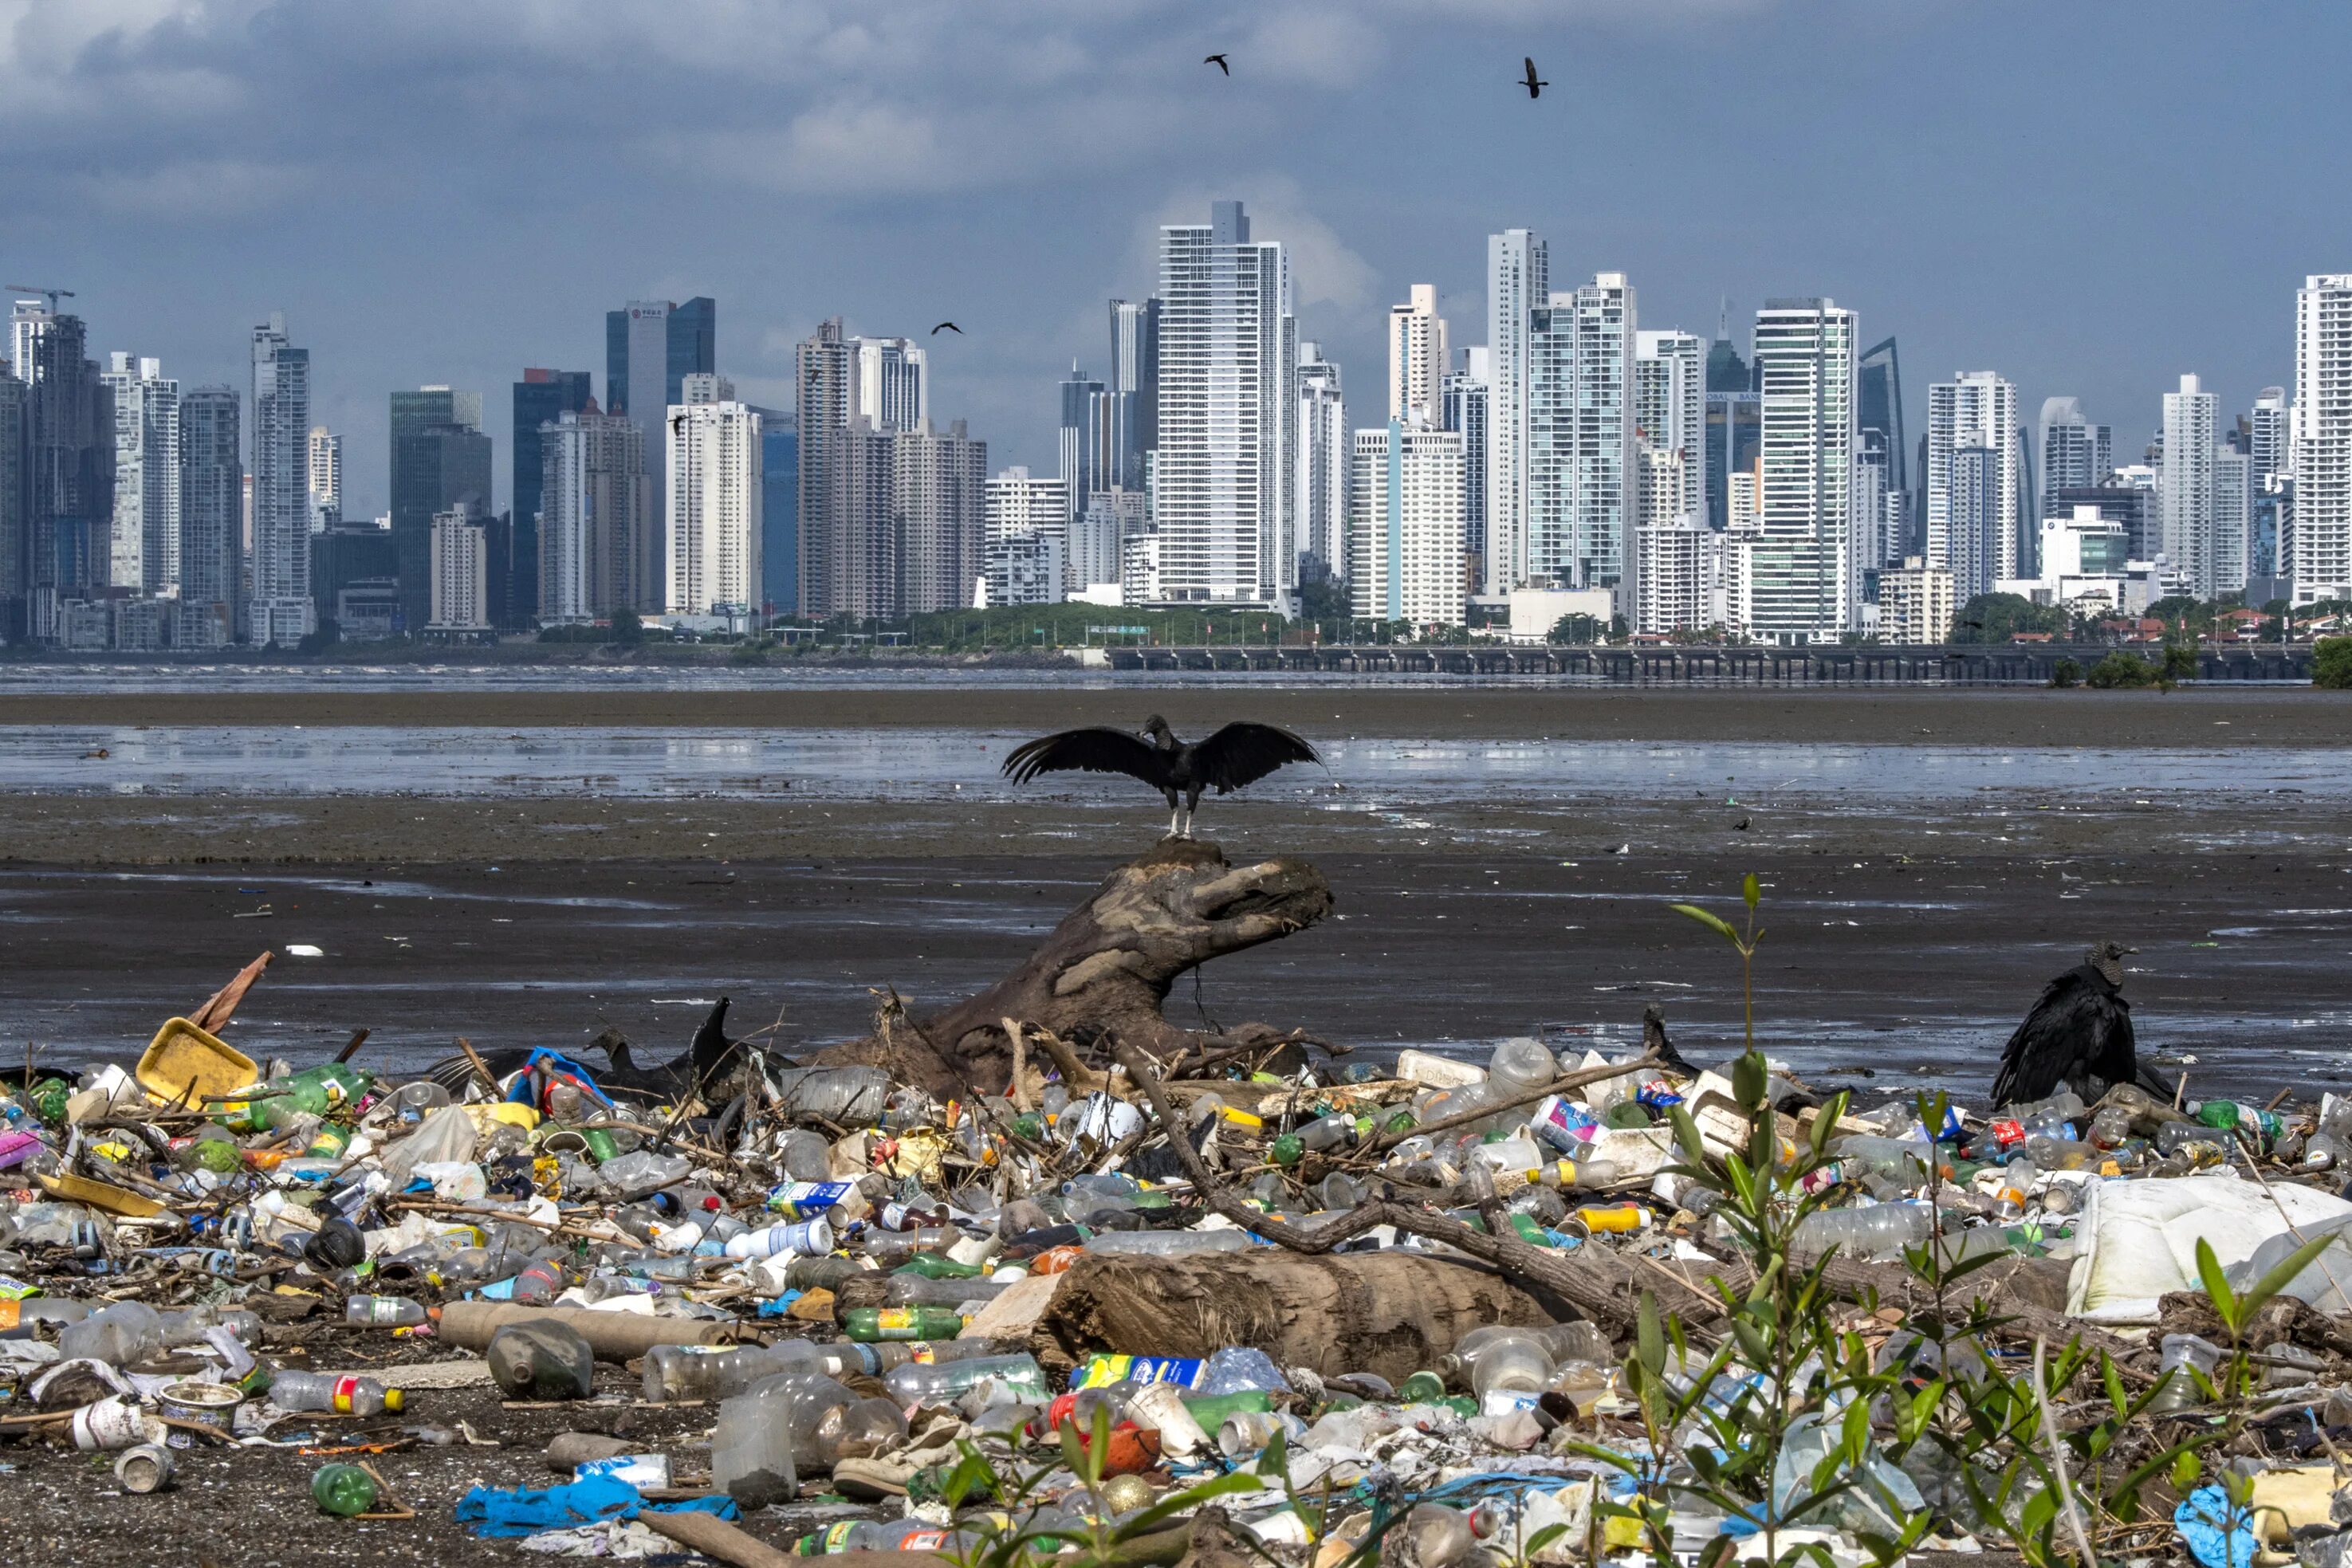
144,1468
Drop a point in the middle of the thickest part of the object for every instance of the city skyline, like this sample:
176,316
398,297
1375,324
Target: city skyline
893,231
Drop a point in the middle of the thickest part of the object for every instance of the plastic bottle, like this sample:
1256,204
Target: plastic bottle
303,1390
916,1291
343,1489
1439,1536
844,1096
383,1312
123,1334
805,1237
1240,1369
2181,1351
642,1174
542,1361
2110,1126
917,1384
868,1324
751,1457
539,1280
938,1266
1327,1132
1875,1234
2049,1153
1169,1243
1514,1362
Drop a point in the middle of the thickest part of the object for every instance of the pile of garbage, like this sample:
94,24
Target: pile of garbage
1426,1309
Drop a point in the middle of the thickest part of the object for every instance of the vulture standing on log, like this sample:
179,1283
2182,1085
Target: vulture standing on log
1239,754
2078,1037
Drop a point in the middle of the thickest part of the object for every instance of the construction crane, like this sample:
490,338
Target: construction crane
53,295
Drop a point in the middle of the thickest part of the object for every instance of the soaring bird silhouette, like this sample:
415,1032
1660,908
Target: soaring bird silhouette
1239,754
1534,84
2078,1036
1219,61
946,327
705,1059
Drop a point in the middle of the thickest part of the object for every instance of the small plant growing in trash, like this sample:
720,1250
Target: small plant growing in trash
1743,942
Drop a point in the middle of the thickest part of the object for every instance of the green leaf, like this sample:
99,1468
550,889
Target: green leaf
1758,1350
1542,1537
1649,1337
1686,1137
1751,889
2281,1274
2185,1468
2209,1269
1275,1461
1749,1079
1717,1552
973,1475
1074,1448
1715,923
2114,1380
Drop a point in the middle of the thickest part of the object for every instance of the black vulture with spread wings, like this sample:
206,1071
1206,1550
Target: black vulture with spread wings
1236,754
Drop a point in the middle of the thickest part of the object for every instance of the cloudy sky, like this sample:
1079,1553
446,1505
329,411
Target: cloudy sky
2091,198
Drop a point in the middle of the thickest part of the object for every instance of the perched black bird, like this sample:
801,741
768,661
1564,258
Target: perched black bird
2078,1037
705,1060
1534,85
1219,61
1653,1039
1236,754
946,327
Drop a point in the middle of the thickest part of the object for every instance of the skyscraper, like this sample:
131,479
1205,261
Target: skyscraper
2184,494
143,544
1582,472
833,578
212,517
939,481
1878,420
1975,409
70,465
651,346
1087,439
716,491
2322,532
2270,436
1417,356
894,383
1323,459
1405,557
326,462
1518,282
1228,414
440,460
595,507
13,412
541,398
1734,427
779,509
1468,408
281,609
2233,509
1670,411
1805,570
2075,452
1135,384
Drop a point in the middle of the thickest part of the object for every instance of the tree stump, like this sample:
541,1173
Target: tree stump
1107,968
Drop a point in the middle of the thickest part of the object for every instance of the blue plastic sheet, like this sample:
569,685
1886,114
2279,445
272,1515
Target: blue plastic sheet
528,1511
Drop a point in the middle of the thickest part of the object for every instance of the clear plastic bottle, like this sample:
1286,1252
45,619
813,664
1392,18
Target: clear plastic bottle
917,1384
1169,1243
1519,1064
1439,1536
892,1247
383,1312
752,1449
2050,1154
123,1334
320,1391
1875,1234
1517,1362
1327,1132
2181,1352
2110,1126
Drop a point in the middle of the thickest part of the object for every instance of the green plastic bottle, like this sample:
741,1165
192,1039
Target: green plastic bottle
868,1324
1529,1232
932,1266
1288,1150
1210,1410
344,1489
49,1097
1421,1388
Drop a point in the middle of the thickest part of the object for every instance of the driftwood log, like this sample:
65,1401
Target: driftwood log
1107,968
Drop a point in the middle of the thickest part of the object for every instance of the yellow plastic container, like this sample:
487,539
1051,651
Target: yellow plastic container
184,1063
102,1195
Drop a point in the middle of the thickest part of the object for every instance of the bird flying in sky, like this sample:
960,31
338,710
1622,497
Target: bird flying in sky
946,327
1533,83
1219,61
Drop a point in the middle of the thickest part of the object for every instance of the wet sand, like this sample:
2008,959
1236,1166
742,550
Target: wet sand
1905,937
